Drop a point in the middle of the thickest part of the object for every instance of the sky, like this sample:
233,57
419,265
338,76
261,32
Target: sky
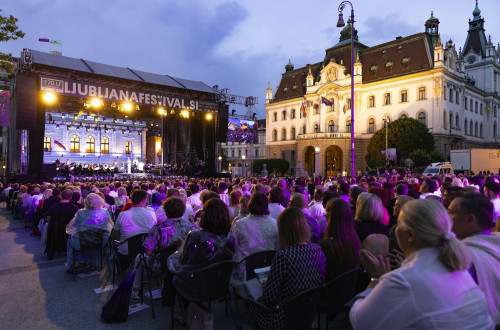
242,45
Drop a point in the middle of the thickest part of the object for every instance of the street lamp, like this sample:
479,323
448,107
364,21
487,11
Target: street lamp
386,120
341,23
162,112
316,162
243,165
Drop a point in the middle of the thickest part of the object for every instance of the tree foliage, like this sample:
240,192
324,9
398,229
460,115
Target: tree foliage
420,157
276,166
8,31
405,134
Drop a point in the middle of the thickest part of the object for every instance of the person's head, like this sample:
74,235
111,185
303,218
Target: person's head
215,217
398,204
206,195
401,189
172,192
369,208
56,192
340,227
234,197
425,223
381,193
298,200
156,198
36,191
292,228
492,190
46,194
222,187
23,189
471,214
343,188
327,196
122,192
193,188
139,198
354,192
428,186
244,200
174,207
67,194
93,202
318,193
276,195
258,205
76,196
450,193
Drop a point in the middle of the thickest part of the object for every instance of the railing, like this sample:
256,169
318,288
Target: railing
324,135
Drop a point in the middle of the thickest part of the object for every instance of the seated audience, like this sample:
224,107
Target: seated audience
299,201
276,197
432,289
369,213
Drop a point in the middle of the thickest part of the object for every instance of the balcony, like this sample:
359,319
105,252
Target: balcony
324,135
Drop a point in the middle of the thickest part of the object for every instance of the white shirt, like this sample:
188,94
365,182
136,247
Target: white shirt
113,194
194,200
137,220
317,210
422,294
275,210
496,206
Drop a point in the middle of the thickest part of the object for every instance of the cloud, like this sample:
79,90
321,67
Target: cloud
376,30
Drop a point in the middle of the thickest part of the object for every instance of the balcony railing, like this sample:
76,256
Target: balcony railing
324,135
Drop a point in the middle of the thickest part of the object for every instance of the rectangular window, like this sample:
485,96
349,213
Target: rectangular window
239,153
256,152
283,115
404,96
128,147
465,104
316,109
46,144
275,116
457,97
348,106
292,114
451,95
371,101
421,93
292,156
282,155
232,153
387,98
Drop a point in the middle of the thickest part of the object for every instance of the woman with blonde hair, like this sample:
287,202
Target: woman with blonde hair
432,289
369,213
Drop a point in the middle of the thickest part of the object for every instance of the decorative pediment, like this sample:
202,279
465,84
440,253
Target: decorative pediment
332,72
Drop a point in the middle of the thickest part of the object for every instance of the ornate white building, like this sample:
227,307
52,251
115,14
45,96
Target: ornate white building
456,94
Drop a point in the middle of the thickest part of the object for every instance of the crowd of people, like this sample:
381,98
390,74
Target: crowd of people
429,246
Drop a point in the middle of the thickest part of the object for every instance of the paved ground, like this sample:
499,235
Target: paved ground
36,293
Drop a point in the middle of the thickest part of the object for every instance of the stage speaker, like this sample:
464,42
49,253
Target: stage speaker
48,171
222,121
26,102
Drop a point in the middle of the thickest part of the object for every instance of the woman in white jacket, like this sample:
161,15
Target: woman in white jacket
432,289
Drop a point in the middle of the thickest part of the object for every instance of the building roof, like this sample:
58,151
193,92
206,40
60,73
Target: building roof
87,66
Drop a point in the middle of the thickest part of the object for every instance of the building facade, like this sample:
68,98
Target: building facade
456,94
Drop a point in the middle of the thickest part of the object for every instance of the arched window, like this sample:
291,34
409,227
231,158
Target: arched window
283,115
481,107
304,129
283,134
275,135
466,127
495,130
128,147
481,130
444,120
471,128
476,131
457,122
422,118
292,133
451,120
371,125
46,144
316,128
403,116
74,143
348,126
104,145
331,126
90,144
292,114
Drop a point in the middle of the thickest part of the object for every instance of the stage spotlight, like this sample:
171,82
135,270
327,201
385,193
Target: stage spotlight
96,103
68,127
127,106
137,108
49,97
162,112
208,116
113,105
106,130
96,119
115,120
123,132
86,105
134,123
88,129
75,117
63,115
185,113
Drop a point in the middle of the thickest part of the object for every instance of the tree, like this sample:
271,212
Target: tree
8,31
420,157
405,134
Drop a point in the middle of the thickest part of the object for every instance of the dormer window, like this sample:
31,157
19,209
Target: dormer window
388,67
295,87
406,62
285,89
373,70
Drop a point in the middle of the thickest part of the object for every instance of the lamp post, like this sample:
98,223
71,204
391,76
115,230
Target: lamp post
243,165
316,162
219,167
162,112
386,121
341,23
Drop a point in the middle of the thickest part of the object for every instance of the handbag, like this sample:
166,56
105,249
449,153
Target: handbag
116,308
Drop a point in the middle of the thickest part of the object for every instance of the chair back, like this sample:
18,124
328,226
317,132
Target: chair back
91,238
377,244
135,245
338,291
299,310
209,283
258,260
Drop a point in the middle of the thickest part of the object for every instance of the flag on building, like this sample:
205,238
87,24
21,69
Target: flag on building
54,42
43,40
59,144
303,108
326,101
344,109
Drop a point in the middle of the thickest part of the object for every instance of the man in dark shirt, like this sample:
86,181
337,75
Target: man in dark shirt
109,200
58,216
52,200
